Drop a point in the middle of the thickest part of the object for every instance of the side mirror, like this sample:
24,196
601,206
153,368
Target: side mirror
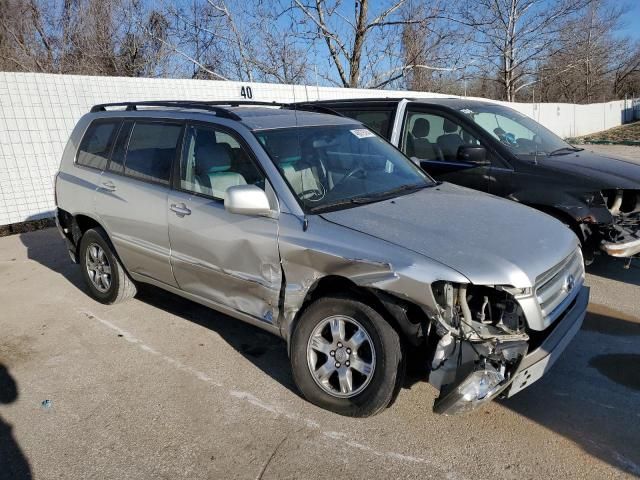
473,154
247,200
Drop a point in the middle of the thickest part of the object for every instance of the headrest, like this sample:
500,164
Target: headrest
284,150
421,128
211,157
449,127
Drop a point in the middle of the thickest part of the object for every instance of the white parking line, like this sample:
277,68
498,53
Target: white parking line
273,409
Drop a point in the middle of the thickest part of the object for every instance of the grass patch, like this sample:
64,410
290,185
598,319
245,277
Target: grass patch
623,135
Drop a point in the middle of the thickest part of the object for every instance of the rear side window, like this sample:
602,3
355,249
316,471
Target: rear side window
96,144
120,148
151,151
377,120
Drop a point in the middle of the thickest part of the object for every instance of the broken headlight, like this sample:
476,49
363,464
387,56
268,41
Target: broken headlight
479,387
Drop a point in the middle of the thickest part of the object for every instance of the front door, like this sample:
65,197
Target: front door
433,140
230,259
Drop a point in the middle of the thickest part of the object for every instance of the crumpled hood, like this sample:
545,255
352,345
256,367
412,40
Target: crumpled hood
606,171
487,239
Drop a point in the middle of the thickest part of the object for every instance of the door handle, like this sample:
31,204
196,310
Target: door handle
180,209
109,186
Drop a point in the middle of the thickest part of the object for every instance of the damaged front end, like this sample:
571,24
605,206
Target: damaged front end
497,340
621,238
480,340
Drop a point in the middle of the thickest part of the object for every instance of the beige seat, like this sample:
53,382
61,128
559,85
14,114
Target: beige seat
301,180
213,162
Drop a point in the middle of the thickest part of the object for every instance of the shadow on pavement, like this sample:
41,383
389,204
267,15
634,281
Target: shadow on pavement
13,464
48,249
592,395
613,269
264,350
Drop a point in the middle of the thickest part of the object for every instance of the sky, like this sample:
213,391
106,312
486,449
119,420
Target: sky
632,20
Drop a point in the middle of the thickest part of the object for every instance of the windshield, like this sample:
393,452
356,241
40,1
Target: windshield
522,135
337,166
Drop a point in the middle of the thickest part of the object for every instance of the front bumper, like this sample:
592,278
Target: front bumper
622,249
622,239
532,367
538,362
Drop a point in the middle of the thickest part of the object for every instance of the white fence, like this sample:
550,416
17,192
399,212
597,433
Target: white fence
38,111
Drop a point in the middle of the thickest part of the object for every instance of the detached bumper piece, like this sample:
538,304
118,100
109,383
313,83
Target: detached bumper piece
486,382
623,237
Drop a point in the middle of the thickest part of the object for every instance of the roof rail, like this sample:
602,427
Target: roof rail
312,107
216,106
133,106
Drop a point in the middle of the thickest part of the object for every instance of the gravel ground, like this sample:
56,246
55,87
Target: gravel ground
160,387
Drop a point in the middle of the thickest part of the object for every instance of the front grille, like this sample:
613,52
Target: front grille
559,285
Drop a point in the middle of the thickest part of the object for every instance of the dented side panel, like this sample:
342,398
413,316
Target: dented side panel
326,249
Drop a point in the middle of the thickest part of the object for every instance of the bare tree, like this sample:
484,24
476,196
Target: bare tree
80,36
581,71
361,46
513,36
434,54
627,71
226,39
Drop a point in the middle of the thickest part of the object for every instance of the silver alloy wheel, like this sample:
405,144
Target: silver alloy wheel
341,356
98,267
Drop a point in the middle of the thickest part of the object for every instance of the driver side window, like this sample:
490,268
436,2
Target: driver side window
213,161
429,136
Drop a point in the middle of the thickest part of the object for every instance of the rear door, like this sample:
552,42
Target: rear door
83,178
132,196
229,259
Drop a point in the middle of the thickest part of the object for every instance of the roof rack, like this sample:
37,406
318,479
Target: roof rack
133,106
216,106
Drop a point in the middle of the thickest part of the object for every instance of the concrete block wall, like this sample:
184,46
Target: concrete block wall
38,111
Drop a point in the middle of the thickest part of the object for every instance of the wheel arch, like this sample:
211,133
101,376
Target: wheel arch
408,319
74,226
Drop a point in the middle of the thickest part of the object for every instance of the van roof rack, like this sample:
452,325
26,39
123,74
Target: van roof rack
216,106
313,107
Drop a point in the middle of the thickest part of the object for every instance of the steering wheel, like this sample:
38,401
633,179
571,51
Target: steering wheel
349,175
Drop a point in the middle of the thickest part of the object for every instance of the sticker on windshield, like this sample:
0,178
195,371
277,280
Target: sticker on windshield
467,111
362,133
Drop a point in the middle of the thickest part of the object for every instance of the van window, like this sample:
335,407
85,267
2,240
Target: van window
433,137
95,146
377,120
152,149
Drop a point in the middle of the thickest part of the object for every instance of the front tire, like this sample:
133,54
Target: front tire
106,278
346,357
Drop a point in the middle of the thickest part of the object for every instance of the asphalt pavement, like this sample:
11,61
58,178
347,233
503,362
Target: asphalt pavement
160,387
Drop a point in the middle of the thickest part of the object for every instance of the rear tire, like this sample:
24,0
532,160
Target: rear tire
346,357
106,278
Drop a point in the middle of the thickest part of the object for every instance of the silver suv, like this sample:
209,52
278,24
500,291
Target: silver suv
312,227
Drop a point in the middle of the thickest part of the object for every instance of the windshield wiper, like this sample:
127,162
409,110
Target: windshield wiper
370,198
558,151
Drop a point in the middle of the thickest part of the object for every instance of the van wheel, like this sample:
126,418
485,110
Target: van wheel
346,357
103,273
